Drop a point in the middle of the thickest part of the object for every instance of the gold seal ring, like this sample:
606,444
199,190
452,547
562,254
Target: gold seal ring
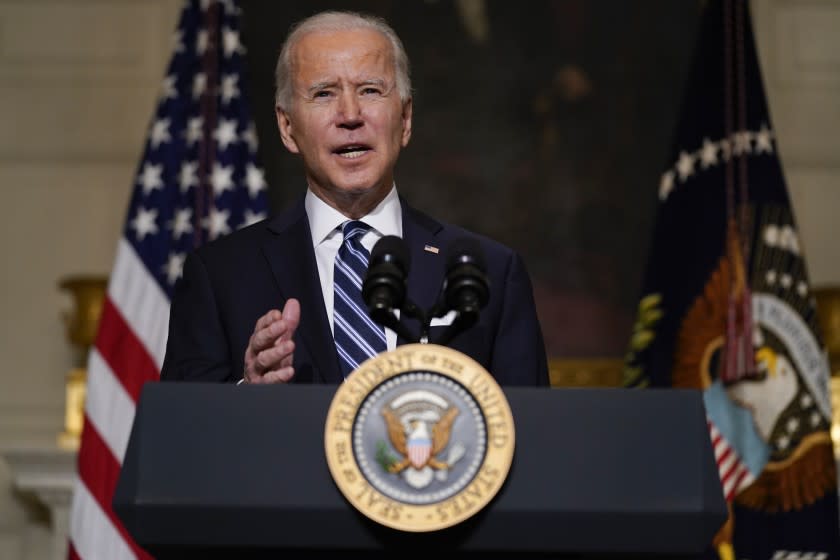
419,438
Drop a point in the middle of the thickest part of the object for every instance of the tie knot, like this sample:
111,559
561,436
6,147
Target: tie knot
354,229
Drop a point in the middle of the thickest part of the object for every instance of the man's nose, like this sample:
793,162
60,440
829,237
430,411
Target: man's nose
349,111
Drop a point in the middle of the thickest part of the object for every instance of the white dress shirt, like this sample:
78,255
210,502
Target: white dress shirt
325,225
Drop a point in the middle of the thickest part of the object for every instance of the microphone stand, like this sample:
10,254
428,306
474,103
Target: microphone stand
467,310
384,315
437,310
410,309
387,318
465,317
460,323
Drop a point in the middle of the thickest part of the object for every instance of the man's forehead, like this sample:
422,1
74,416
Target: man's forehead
343,40
347,43
361,55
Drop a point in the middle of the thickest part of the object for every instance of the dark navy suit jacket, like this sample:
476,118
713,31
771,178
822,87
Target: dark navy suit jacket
229,283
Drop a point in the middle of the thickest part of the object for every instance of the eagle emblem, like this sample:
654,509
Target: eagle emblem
419,425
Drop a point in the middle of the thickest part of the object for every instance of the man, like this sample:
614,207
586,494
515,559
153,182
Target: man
344,106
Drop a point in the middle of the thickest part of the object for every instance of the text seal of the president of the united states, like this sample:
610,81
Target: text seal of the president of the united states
419,438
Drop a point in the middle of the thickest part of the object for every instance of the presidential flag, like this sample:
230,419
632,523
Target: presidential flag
198,180
727,307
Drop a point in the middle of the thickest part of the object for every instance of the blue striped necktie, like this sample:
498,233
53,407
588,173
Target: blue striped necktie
357,336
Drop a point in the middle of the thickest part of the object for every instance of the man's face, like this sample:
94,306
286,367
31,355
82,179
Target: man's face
346,119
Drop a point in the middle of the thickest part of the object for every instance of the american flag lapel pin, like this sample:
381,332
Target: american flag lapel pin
431,249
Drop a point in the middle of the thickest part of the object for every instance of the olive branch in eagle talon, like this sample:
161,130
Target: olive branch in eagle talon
399,437
383,456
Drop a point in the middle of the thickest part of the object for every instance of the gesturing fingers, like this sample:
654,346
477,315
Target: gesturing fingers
267,319
291,314
270,352
291,318
269,334
273,357
282,375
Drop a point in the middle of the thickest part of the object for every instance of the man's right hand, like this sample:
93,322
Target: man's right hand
268,358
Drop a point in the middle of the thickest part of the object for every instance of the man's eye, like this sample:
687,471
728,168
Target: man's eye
322,94
371,91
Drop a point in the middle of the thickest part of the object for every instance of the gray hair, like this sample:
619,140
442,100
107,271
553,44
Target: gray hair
337,21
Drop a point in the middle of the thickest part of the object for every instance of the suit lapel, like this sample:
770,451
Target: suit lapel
426,273
292,260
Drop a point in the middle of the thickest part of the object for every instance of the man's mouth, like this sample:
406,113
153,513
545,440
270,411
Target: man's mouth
352,151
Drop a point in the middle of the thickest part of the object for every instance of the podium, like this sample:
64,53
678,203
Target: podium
240,471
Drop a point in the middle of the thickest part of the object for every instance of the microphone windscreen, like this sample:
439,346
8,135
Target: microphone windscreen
465,250
393,249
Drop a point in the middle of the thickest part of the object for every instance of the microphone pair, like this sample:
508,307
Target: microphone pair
465,288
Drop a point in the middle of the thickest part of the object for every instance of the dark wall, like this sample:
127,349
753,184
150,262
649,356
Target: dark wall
548,133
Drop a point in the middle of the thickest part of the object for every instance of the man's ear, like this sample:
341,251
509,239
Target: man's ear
406,123
284,124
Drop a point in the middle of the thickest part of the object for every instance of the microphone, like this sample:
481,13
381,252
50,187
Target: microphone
466,288
383,289
384,285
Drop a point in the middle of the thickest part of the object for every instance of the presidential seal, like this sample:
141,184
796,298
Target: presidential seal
419,438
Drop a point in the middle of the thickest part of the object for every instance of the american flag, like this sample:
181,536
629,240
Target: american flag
198,180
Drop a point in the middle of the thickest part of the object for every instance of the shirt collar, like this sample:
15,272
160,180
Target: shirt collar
385,218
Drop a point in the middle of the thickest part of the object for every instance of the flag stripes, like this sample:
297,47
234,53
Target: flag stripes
109,406
101,479
101,539
734,474
139,298
123,352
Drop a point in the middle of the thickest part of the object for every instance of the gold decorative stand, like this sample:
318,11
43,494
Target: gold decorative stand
81,323
828,313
